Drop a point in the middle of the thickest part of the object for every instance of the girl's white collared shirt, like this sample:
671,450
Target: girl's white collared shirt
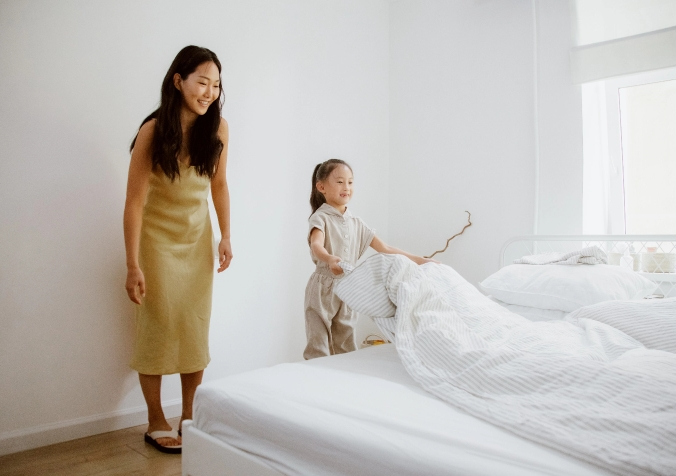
345,235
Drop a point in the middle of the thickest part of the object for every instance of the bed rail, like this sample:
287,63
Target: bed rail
653,256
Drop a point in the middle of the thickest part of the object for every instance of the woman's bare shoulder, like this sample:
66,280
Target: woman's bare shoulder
143,143
223,128
148,129
145,135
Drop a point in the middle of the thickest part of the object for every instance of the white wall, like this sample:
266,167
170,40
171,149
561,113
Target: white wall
432,102
559,115
461,130
304,81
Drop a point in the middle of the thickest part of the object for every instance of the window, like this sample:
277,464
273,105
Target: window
648,125
629,136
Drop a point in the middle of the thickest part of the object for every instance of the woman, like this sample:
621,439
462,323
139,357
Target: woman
180,152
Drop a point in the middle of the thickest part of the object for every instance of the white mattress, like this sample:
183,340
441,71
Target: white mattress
361,413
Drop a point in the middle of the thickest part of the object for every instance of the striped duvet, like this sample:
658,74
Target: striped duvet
582,386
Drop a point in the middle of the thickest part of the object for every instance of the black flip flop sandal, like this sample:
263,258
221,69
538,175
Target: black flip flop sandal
151,438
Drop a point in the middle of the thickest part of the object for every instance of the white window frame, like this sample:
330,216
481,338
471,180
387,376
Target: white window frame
603,170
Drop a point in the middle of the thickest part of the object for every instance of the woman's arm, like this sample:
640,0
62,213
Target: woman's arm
221,198
140,168
382,247
317,247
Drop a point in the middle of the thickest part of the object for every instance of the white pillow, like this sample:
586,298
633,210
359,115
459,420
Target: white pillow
652,322
564,287
363,288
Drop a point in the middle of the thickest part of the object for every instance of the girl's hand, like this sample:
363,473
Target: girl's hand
333,265
422,260
135,285
224,254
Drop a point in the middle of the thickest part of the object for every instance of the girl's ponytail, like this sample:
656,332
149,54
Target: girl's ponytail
321,173
316,197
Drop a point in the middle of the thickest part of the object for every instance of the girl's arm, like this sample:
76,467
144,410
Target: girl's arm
140,168
317,247
382,247
221,198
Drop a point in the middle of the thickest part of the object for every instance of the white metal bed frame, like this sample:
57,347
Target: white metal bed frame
204,455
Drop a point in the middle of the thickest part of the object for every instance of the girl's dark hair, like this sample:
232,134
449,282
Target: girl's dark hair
321,173
204,145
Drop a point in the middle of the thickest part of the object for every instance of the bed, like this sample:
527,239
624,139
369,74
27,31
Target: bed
363,413
357,413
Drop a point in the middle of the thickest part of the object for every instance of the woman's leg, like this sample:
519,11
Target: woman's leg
189,383
151,385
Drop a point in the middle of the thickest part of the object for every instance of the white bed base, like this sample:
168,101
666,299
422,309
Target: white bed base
204,455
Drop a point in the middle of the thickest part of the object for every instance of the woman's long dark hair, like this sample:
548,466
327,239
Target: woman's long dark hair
204,145
321,173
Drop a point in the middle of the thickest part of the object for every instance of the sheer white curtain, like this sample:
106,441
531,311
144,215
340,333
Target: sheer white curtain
619,44
602,184
629,155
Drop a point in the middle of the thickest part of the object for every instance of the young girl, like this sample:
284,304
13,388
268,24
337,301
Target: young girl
335,235
178,155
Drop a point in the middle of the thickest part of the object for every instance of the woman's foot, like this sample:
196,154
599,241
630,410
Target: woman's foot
162,440
154,438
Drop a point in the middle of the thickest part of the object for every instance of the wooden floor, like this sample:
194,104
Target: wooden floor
118,452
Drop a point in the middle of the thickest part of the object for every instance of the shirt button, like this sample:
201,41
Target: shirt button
345,236
345,249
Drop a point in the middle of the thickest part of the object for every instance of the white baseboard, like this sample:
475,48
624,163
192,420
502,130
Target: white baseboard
43,435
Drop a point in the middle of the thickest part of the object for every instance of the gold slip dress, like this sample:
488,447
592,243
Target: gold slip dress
177,260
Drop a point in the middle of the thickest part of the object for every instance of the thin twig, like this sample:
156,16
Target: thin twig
469,223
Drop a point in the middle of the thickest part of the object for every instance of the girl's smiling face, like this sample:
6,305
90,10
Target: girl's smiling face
337,188
201,88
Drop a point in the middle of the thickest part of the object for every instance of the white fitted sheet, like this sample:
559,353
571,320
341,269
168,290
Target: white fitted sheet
360,413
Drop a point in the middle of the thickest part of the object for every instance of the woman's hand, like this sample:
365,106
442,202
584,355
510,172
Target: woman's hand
135,285
224,254
333,265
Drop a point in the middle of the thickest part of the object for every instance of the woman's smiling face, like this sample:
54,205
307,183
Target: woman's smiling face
201,88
